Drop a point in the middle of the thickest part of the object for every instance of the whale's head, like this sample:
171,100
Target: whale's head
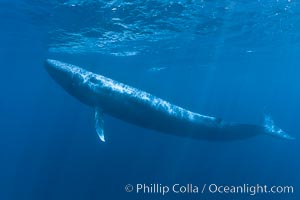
72,78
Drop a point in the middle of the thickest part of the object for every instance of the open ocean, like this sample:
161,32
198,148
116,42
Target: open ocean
237,60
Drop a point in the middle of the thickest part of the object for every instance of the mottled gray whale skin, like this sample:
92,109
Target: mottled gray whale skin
137,107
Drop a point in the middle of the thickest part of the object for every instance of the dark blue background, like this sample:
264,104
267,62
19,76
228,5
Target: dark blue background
50,150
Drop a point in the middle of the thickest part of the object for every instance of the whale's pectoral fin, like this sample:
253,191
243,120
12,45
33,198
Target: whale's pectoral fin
273,130
99,123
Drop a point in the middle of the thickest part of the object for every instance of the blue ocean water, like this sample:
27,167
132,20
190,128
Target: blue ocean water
231,59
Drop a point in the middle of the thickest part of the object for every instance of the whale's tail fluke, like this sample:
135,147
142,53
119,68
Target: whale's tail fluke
275,131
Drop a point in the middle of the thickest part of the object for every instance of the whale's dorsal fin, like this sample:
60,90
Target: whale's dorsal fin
99,123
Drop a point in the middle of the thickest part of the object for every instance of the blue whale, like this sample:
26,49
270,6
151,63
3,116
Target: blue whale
137,107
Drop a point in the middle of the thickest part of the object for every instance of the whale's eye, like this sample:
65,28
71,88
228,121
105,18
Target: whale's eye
219,121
